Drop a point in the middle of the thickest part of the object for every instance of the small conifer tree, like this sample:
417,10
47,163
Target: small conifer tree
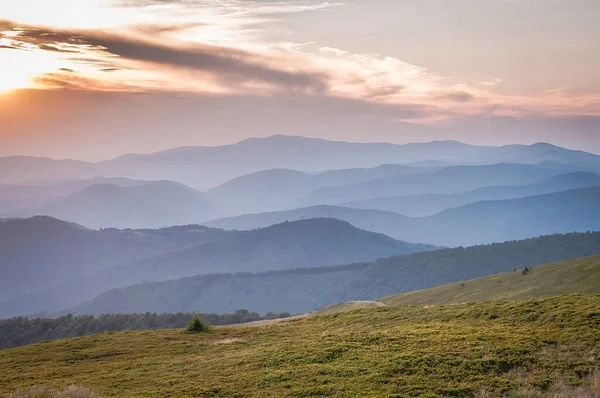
197,325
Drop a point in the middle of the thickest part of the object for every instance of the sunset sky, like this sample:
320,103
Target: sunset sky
94,79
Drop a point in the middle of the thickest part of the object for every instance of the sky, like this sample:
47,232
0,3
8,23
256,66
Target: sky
95,79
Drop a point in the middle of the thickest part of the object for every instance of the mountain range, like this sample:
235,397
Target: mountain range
126,203
206,167
270,206
430,204
39,252
74,264
448,180
278,189
151,204
476,223
22,196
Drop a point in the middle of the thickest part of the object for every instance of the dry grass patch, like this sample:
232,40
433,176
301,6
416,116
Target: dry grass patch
45,391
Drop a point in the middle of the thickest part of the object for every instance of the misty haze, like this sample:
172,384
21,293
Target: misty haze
255,198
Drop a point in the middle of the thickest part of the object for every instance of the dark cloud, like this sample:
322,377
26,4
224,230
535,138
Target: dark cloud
224,62
96,62
56,81
5,25
386,91
109,69
40,36
70,80
161,29
229,65
459,96
49,47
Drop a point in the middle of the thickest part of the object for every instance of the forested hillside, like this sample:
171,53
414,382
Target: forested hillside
100,262
42,251
305,290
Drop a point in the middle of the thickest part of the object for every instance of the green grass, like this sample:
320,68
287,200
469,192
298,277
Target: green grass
374,352
576,276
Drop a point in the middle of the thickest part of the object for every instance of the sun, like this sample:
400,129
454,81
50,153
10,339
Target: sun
14,71
12,78
19,69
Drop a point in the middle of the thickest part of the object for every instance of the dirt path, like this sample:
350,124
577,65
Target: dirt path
271,321
303,316
375,303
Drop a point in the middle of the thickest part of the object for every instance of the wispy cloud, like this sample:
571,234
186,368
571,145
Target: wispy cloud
215,46
491,83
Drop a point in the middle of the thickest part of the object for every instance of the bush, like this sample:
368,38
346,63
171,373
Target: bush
197,325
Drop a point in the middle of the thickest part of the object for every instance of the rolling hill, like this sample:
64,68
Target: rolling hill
430,204
143,205
305,290
574,276
309,243
460,350
476,223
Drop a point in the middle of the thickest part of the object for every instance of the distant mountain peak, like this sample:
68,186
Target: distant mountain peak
42,222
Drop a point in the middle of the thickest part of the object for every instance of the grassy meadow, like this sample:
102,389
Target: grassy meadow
580,275
460,350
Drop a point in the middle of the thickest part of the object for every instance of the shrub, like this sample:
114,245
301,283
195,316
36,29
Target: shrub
197,325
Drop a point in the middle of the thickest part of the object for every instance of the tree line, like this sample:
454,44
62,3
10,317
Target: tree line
18,331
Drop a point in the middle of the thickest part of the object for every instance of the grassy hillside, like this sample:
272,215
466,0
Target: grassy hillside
575,276
347,307
389,351
305,290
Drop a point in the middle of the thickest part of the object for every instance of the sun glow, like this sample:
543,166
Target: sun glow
18,69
